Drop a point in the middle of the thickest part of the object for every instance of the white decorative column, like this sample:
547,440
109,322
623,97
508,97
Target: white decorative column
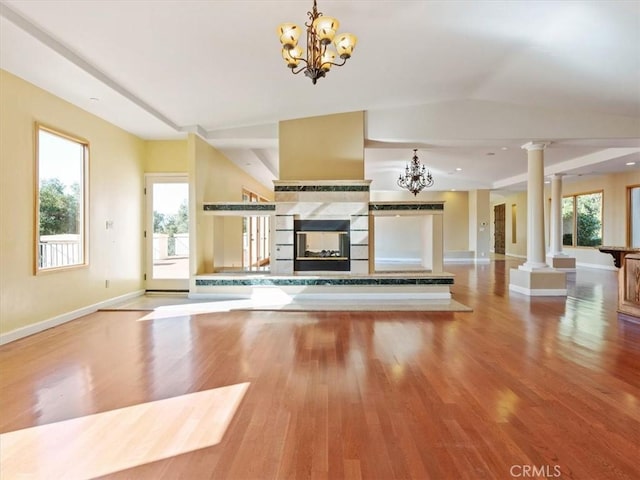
535,207
534,277
557,258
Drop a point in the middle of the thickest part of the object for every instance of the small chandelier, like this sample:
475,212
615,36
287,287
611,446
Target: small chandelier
414,179
320,57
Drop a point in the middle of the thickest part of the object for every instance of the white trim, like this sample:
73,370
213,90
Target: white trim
596,265
476,260
412,261
539,292
535,145
166,174
27,330
534,267
514,255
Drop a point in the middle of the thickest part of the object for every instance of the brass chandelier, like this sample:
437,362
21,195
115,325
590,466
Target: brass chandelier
320,57
414,178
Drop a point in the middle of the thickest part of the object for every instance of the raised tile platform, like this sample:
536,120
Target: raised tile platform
406,285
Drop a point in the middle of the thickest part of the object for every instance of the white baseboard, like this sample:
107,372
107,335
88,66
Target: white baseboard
539,292
481,260
410,261
25,331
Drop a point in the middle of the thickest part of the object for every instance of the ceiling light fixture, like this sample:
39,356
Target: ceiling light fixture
630,163
320,58
414,178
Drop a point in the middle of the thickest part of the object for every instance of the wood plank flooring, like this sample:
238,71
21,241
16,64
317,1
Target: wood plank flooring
519,388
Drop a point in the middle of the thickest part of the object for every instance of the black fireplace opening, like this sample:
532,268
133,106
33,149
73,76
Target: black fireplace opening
321,245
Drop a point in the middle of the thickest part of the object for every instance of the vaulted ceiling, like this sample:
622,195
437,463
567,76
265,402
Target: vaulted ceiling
466,82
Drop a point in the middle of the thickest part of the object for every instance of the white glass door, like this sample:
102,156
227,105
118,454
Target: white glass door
255,238
167,232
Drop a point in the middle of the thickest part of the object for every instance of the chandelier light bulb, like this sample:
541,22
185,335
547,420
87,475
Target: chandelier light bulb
327,60
292,56
289,34
345,43
325,28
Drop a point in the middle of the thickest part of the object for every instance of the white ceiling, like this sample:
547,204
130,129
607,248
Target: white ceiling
163,68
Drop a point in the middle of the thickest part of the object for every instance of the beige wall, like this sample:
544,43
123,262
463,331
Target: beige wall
166,156
455,221
330,147
214,178
479,217
399,238
519,248
115,194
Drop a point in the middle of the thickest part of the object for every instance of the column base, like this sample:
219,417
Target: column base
533,266
538,283
561,261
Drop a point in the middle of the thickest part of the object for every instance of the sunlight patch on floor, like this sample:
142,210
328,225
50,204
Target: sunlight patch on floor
260,299
108,442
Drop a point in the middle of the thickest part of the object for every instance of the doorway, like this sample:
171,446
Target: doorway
167,232
255,237
499,228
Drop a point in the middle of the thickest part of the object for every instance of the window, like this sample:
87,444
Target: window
61,200
514,223
582,220
633,212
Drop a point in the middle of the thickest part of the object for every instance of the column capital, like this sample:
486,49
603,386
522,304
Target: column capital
535,146
557,176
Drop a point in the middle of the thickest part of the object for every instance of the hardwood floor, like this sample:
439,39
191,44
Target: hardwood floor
519,388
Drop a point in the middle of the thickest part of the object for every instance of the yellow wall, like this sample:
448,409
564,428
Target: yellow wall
479,216
214,178
330,147
115,194
166,156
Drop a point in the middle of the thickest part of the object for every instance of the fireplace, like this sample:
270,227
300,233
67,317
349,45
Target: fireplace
321,245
